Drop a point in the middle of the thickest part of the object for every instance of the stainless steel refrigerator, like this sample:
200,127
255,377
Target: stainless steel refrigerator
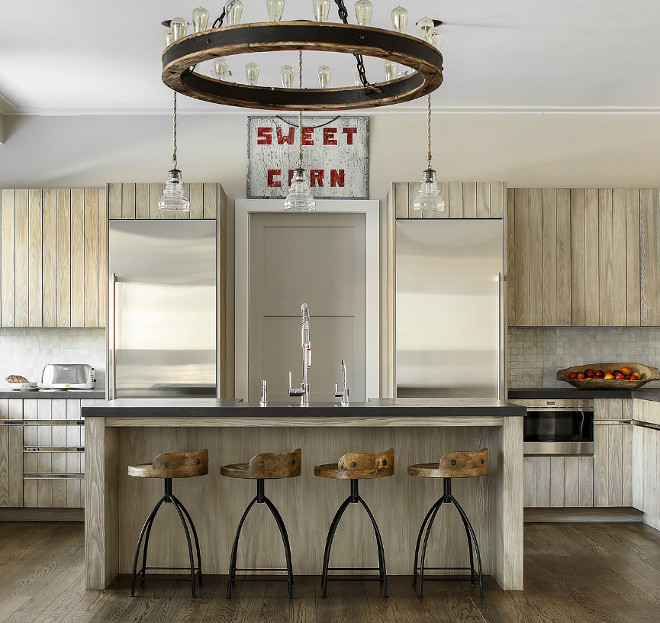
161,308
450,308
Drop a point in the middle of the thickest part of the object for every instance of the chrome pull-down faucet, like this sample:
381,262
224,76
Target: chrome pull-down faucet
303,390
343,394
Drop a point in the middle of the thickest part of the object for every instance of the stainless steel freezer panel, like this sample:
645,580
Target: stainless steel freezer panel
162,304
449,308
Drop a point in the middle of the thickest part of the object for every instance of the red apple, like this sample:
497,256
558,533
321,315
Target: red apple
616,372
581,376
572,375
589,373
600,374
619,376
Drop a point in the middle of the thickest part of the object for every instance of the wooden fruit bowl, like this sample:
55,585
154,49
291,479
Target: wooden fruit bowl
648,374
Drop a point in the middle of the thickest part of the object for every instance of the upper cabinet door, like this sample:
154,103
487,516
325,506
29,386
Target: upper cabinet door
583,257
53,258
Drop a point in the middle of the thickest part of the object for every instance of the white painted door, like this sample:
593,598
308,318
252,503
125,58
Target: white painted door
319,259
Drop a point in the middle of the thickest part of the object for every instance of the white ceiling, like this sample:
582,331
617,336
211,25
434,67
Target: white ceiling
90,57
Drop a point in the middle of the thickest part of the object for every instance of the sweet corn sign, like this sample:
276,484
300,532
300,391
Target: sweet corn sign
335,156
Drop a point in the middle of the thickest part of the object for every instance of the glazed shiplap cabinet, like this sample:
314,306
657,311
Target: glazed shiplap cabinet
583,257
52,260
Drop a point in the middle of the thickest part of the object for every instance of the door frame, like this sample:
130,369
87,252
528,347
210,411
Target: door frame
244,208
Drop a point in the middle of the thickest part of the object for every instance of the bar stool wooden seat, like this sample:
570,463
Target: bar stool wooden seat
354,467
167,466
452,465
268,466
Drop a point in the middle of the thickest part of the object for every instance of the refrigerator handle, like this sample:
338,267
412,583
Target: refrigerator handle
112,338
500,382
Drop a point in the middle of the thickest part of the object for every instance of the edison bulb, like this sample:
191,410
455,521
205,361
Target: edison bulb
424,26
220,68
399,19
200,19
252,73
179,28
391,69
168,36
287,75
363,12
435,38
324,74
233,12
275,9
321,10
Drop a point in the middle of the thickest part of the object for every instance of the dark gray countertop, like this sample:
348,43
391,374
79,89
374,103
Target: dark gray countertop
72,394
559,393
205,407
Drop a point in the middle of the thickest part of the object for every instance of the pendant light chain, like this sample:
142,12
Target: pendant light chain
174,134
300,144
428,128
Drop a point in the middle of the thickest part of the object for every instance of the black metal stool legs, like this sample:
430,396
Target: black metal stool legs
145,533
353,498
261,498
447,498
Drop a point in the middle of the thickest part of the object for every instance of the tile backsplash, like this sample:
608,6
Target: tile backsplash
536,353
27,351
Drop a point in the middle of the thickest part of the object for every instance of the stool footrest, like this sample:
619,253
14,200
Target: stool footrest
269,570
353,569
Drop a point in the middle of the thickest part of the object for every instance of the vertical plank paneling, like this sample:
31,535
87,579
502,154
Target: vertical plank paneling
142,201
184,215
601,459
128,201
30,460
571,481
4,456
521,256
469,200
619,255
91,263
58,412
15,479
63,258
77,257
649,257
73,461
483,200
7,255
455,200
543,481
605,257
413,190
549,259
615,465
563,243
444,193
114,200
103,258
586,478
529,481
535,257
632,258
21,258
49,296
497,198
578,268
155,193
196,201
626,463
591,278
400,200
511,274
557,480
35,258
44,459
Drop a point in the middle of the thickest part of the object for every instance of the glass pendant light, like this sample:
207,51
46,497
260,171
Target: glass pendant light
424,26
435,38
429,198
399,19
300,198
179,28
324,74
252,73
220,67
321,10
391,69
168,37
174,196
275,9
286,74
200,19
363,12
233,12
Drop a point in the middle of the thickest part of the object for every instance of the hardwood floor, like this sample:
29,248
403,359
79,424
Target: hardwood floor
573,573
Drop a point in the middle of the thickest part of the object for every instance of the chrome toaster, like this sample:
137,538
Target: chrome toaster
67,376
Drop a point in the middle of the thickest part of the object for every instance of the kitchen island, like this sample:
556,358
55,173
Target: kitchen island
123,432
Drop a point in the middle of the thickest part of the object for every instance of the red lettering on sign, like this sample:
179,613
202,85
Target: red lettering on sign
288,139
265,136
349,135
329,136
316,175
272,182
336,178
290,176
307,136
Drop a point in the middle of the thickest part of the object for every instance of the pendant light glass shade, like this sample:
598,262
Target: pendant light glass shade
424,26
168,37
399,19
321,10
233,12
363,11
300,198
429,198
174,197
275,9
200,19
287,75
179,28
435,38
220,67
252,73
391,69
324,73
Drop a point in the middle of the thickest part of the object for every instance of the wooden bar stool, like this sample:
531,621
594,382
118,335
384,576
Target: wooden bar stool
170,465
452,465
354,467
262,467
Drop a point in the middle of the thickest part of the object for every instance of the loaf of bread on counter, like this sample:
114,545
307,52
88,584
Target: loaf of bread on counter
16,378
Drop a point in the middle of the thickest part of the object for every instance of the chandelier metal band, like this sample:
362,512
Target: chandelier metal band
181,57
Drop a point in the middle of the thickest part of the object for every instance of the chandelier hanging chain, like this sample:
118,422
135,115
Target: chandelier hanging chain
300,151
218,22
343,16
428,128
174,134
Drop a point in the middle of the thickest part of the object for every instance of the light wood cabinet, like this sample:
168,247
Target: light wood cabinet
583,257
51,265
11,453
558,481
646,470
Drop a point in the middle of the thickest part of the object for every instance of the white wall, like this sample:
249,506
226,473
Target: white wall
522,149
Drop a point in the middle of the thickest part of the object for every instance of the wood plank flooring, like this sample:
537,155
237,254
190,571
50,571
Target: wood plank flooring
574,573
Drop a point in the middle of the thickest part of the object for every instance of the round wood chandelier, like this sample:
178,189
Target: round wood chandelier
182,56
